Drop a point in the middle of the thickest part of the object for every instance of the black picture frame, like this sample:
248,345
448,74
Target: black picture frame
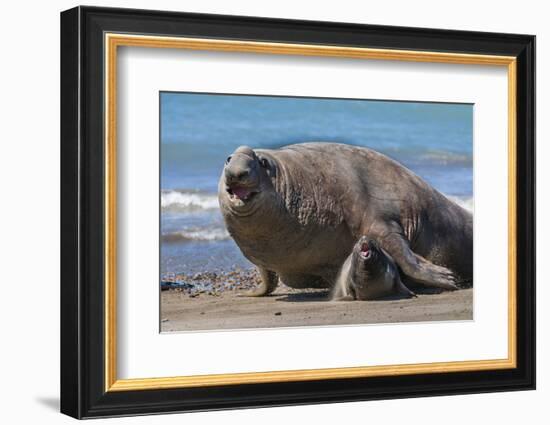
83,392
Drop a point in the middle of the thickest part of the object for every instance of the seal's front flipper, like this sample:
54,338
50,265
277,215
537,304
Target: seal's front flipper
267,285
344,298
341,292
401,289
415,266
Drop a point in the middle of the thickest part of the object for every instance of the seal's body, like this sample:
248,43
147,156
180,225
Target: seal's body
296,213
368,273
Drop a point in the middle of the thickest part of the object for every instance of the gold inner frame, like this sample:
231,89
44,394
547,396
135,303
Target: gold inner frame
113,41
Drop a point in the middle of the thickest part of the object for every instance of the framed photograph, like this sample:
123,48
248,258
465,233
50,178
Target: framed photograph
261,212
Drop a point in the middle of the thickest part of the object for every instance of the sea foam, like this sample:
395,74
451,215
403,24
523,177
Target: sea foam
466,202
196,234
188,201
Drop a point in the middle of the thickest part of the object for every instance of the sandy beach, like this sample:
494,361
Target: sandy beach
182,311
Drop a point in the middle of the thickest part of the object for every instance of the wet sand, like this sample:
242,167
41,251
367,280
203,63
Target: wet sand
185,311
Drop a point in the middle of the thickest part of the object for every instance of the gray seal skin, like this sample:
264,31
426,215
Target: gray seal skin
368,273
296,213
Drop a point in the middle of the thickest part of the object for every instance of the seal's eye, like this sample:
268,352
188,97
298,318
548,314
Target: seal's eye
228,159
264,163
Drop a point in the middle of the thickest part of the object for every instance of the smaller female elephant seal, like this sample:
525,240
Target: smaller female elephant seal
367,274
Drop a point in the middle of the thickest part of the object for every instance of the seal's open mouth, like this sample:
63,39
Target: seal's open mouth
365,251
241,192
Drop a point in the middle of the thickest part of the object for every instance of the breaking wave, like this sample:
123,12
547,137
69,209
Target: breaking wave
444,158
196,234
429,156
181,200
466,202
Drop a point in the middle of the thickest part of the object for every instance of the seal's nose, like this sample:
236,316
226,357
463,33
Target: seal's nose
364,239
236,174
241,175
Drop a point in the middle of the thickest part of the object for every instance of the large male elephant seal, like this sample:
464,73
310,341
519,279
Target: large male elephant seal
296,213
367,274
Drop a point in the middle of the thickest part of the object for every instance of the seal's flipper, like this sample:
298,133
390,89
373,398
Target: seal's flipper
344,298
267,285
341,290
401,289
415,266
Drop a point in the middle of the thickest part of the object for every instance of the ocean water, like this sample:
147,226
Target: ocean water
199,131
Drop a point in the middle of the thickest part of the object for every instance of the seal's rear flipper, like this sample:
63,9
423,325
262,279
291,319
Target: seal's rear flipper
414,266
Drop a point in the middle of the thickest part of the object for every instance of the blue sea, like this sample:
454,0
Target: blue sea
199,131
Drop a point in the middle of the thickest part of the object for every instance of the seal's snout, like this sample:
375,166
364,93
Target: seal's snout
241,174
365,250
366,247
235,175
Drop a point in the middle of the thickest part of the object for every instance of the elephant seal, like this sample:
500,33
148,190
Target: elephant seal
296,213
367,274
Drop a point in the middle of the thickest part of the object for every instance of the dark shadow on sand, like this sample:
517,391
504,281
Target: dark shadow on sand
424,290
304,296
325,295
